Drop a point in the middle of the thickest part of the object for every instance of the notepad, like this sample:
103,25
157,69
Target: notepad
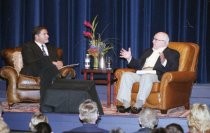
146,71
71,65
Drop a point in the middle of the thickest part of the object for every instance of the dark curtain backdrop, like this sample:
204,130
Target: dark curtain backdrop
128,23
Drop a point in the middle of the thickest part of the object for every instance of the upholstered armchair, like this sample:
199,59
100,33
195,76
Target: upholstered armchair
175,87
23,88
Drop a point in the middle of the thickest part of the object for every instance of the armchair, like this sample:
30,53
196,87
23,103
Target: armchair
175,87
23,88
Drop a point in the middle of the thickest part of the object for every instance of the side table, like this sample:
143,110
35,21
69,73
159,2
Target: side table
106,81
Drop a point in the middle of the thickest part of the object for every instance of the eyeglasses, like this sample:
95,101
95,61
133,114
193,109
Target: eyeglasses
155,39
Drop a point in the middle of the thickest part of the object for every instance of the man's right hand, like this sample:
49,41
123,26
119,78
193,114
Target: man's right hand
126,54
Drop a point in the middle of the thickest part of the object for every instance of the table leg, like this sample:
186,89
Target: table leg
91,76
85,76
108,89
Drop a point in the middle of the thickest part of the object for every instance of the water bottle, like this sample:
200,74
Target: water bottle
108,61
87,61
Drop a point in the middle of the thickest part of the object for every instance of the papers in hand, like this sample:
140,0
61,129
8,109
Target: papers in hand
146,72
71,65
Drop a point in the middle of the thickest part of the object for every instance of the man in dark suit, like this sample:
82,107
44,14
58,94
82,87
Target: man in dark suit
40,59
153,64
88,114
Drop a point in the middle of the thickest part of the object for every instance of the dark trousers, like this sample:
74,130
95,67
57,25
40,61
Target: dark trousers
48,75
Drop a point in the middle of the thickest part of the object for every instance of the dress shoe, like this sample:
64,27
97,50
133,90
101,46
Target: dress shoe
122,109
135,110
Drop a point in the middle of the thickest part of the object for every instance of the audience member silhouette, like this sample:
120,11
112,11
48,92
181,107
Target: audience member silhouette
36,119
3,125
43,127
148,120
174,128
88,115
158,130
199,118
1,110
117,130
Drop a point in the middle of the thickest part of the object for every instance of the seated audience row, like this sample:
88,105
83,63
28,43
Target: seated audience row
198,121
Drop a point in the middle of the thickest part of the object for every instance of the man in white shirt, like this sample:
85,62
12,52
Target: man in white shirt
158,59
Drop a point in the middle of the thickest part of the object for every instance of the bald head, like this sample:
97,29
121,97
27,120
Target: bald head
161,39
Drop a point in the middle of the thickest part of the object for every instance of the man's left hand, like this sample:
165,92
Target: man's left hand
58,64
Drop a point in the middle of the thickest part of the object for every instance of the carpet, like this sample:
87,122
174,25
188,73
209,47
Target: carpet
34,107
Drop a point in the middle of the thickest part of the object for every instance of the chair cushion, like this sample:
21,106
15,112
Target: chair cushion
28,82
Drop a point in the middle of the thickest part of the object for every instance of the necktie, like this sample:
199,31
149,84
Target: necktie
43,51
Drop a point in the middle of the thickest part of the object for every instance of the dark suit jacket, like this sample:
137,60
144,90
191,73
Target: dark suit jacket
36,64
88,128
171,55
33,59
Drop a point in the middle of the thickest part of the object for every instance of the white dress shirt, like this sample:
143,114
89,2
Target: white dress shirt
45,47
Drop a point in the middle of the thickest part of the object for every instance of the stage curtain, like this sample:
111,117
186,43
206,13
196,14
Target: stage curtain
127,23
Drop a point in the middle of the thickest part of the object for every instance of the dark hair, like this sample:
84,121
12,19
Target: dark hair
174,128
43,127
37,30
117,130
159,130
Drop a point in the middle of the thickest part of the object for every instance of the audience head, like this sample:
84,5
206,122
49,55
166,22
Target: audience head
174,128
43,127
199,118
1,109
117,130
159,130
36,119
88,112
3,126
148,118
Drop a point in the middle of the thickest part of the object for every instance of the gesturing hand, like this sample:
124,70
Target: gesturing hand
125,54
162,57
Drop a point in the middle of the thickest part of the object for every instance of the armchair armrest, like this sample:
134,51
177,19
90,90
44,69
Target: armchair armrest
176,85
68,71
178,76
11,75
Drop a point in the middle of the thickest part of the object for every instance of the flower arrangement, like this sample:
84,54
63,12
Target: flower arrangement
97,46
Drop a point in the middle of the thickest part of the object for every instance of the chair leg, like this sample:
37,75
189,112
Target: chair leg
163,111
9,106
187,106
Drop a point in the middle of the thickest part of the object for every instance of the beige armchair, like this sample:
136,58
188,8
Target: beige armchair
175,87
23,88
